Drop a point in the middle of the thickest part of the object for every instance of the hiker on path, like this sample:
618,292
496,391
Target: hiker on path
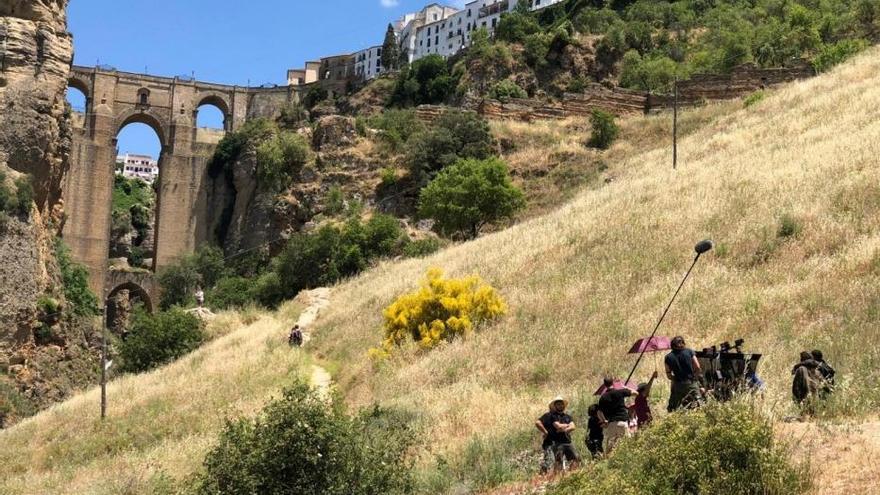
200,297
296,337
641,408
806,382
683,370
827,373
556,427
614,414
596,434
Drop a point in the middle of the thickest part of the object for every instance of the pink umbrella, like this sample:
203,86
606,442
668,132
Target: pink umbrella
654,344
618,384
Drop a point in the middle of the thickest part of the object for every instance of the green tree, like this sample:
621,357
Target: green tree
468,195
280,159
425,81
455,135
486,61
306,444
75,279
390,50
655,73
515,26
158,339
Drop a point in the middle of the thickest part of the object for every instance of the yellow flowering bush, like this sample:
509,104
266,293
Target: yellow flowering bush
439,311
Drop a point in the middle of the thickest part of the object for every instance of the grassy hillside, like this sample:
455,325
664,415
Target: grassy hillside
159,425
788,188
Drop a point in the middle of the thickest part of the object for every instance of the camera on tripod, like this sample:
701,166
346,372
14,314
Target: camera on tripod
728,370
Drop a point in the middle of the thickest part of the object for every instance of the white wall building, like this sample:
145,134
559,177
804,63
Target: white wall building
138,166
368,62
436,29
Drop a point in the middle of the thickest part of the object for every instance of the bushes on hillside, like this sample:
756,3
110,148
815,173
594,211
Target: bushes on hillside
469,195
280,158
396,126
455,135
441,310
834,54
605,130
312,259
426,81
705,452
180,280
506,89
306,444
484,63
158,339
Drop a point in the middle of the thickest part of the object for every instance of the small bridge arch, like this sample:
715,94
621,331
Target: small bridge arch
142,284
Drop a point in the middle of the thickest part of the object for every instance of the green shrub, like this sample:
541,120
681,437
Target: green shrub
306,444
651,73
837,53
422,247
268,290
158,339
335,201
535,50
389,176
705,452
230,293
293,115
506,89
516,26
605,130
75,279
396,126
789,226
754,98
48,305
280,159
455,135
13,404
468,195
24,194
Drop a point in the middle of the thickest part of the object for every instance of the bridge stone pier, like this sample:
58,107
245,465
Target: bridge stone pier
169,106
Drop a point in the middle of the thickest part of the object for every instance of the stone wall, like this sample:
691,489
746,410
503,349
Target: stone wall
742,81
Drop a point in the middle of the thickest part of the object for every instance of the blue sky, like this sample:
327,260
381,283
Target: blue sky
224,41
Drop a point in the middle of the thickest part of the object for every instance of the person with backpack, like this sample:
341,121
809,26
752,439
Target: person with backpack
806,382
596,434
827,373
556,427
683,370
296,337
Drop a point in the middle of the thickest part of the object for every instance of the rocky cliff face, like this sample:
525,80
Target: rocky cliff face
35,56
42,357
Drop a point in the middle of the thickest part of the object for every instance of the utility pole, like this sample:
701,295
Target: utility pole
675,125
104,361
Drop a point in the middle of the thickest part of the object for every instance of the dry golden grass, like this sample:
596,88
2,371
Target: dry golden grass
160,424
586,281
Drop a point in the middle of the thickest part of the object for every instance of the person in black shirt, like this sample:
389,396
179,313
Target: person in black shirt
596,434
556,426
613,413
683,370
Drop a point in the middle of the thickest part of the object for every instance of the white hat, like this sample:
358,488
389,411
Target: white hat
559,399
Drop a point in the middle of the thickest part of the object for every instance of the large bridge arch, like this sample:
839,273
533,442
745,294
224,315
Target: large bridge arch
169,105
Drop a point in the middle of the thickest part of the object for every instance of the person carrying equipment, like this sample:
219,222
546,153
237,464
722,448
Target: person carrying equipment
556,427
296,337
683,370
827,373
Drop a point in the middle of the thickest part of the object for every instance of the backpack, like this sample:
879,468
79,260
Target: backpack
804,384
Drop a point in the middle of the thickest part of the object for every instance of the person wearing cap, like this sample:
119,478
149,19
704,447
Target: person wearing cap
683,370
556,427
613,413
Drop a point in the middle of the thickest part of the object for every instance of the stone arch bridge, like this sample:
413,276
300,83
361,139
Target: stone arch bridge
169,106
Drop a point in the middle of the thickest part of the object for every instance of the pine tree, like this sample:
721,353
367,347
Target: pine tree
390,50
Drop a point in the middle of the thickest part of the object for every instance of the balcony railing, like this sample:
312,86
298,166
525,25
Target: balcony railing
495,8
